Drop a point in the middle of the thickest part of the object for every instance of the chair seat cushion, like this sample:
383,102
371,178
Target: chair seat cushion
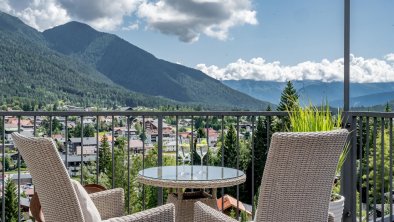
89,210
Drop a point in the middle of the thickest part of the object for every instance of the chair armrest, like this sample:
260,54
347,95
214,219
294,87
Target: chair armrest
331,217
158,214
109,203
205,213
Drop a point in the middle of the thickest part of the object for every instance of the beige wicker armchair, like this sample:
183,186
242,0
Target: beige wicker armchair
57,196
297,179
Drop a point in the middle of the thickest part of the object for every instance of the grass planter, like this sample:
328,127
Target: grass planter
336,207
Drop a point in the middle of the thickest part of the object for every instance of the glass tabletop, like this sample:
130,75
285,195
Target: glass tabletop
191,173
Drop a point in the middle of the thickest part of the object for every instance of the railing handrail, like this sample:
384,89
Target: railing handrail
143,113
370,114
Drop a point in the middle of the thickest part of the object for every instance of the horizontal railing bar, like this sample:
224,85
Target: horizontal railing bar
372,114
141,113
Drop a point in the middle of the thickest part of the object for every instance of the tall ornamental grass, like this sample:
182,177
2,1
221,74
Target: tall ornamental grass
315,119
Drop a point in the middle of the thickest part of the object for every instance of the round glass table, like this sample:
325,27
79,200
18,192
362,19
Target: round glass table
191,176
197,177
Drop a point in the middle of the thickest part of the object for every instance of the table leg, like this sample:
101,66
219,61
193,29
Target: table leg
180,193
214,192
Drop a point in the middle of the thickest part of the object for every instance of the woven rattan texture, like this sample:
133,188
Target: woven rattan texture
204,213
299,175
57,196
109,203
297,179
165,213
184,209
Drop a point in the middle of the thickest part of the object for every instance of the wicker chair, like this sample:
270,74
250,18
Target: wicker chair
297,179
57,196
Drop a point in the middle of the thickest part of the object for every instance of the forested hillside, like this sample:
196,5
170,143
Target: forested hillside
140,71
33,74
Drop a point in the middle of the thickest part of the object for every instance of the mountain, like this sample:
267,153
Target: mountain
34,74
368,100
264,90
362,94
140,71
11,24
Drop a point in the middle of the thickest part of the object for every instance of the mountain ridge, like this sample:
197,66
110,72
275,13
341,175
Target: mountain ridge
82,67
317,91
140,71
33,74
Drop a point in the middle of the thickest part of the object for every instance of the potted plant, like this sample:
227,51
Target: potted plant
313,119
337,202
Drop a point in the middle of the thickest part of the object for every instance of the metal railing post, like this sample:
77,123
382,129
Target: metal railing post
346,56
82,134
160,156
348,174
19,175
3,170
113,151
97,150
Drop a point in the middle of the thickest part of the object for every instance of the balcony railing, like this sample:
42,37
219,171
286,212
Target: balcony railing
158,128
368,172
366,179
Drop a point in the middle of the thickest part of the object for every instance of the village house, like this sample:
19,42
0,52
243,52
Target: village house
230,204
74,162
212,136
89,145
152,129
136,146
25,178
59,138
169,146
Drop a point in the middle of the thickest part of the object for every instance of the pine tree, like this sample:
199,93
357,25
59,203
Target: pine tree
88,130
230,148
120,163
260,149
387,108
288,98
104,156
230,155
288,101
260,145
11,201
7,163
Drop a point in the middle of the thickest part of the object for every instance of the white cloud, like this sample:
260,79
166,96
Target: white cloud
389,57
4,6
43,14
40,14
132,26
101,14
362,70
188,19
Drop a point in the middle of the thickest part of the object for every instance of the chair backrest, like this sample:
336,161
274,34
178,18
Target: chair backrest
299,175
57,196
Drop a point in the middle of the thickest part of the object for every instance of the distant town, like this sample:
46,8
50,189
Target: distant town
142,131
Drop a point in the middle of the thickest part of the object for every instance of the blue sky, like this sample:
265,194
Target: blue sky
239,39
289,31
